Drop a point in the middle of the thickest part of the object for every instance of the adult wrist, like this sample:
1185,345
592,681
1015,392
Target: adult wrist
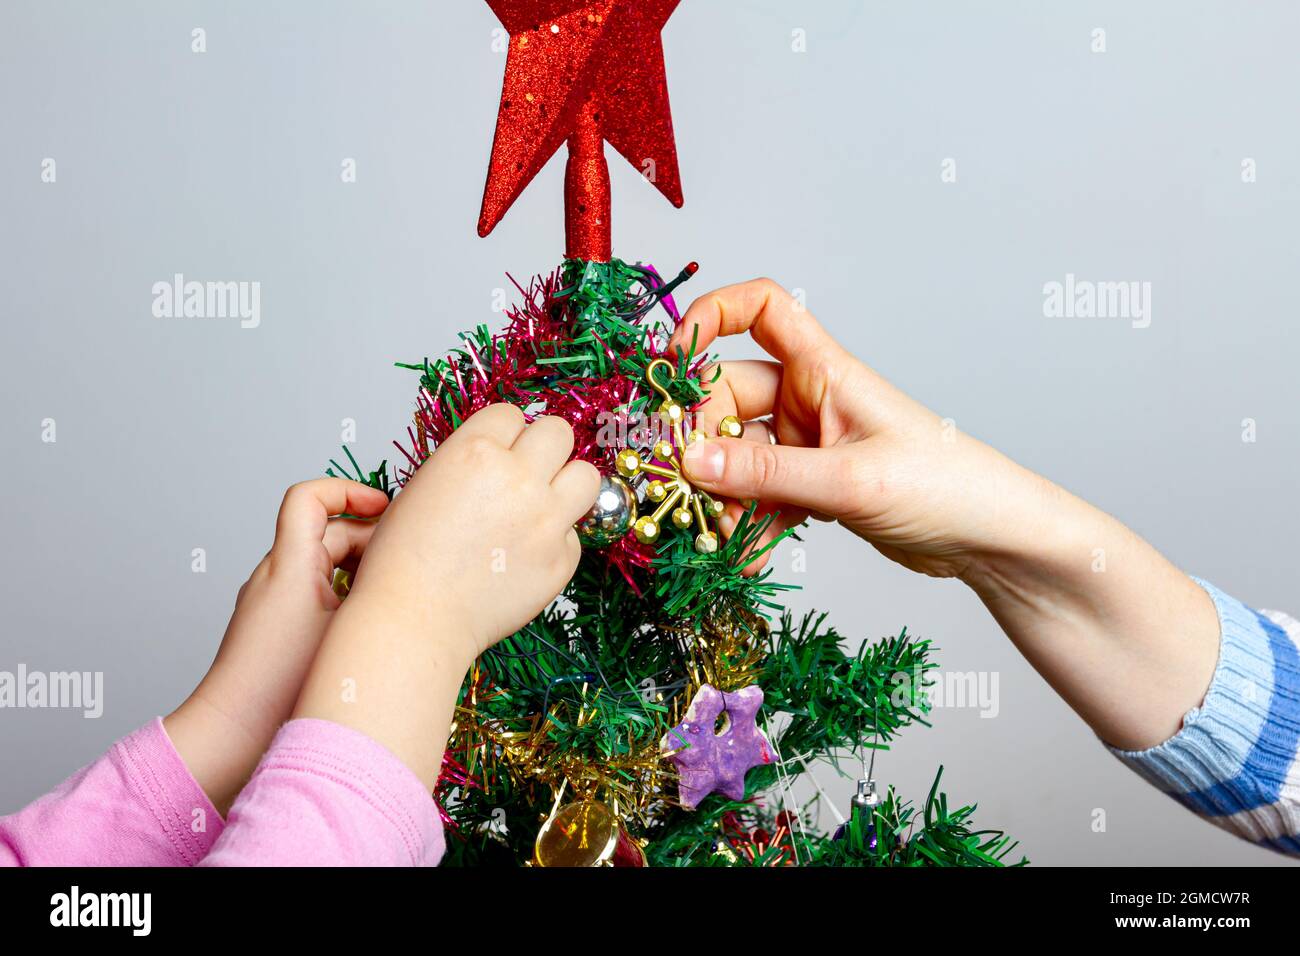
1042,546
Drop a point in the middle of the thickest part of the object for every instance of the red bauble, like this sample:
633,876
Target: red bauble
627,852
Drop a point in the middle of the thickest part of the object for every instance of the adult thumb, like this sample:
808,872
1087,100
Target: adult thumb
808,478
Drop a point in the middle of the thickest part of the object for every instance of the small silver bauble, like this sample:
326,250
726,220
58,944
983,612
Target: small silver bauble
612,514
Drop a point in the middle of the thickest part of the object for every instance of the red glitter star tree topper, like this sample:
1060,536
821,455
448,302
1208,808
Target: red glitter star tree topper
589,72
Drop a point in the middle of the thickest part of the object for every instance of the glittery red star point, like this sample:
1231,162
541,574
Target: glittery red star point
586,72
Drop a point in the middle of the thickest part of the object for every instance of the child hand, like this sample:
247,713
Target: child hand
281,613
477,543
850,447
484,531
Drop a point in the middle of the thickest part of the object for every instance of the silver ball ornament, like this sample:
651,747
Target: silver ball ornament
612,514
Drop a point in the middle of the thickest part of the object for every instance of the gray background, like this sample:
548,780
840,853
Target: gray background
820,169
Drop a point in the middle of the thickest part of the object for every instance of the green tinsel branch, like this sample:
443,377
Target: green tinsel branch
375,479
838,701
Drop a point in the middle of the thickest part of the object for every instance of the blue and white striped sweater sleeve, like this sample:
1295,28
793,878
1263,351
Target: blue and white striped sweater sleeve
1235,760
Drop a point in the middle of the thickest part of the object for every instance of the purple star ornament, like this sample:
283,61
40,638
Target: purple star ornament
712,756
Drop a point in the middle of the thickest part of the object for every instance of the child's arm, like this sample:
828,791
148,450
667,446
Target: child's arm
226,724
137,805
474,547
156,797
1126,638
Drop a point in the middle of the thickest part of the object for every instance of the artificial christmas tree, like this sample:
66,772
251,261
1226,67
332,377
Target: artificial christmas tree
652,715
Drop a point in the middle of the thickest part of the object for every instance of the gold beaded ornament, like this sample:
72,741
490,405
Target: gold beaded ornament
670,490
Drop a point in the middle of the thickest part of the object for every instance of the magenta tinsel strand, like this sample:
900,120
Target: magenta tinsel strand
398,446
477,364
416,446
608,351
506,369
521,289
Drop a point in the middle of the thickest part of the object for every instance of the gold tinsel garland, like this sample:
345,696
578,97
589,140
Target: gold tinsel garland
725,650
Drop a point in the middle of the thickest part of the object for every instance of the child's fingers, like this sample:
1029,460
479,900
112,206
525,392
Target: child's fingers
573,549
346,539
546,444
575,489
308,506
499,421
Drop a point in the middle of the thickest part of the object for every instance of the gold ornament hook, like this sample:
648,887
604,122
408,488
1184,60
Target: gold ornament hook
670,491
650,376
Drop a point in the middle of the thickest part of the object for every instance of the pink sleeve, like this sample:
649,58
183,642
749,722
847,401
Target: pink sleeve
135,806
327,795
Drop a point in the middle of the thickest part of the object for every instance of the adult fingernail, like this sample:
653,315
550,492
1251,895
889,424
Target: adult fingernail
726,524
703,460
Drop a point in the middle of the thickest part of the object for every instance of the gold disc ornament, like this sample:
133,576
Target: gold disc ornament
342,583
585,833
731,427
